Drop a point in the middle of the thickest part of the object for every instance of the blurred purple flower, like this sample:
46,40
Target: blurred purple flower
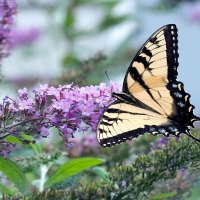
67,108
21,37
44,132
66,131
7,11
194,12
6,148
90,141
81,146
159,144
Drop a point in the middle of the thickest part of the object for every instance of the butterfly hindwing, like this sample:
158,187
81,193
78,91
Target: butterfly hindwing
152,100
122,121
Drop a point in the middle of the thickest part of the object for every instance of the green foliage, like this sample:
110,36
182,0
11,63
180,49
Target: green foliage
28,164
116,154
5,190
138,180
164,5
195,193
91,71
101,172
163,195
14,173
13,139
82,72
22,139
71,168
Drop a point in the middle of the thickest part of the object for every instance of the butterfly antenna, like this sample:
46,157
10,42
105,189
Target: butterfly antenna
107,75
192,136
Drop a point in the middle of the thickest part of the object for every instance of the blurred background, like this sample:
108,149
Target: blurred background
59,42
77,41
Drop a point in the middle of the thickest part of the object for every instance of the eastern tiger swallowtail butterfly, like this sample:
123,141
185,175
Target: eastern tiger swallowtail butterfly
152,100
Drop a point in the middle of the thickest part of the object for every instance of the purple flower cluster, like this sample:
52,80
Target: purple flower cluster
68,108
7,11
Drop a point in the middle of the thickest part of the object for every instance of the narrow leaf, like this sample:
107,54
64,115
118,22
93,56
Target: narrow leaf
35,148
5,190
163,195
13,139
14,174
27,137
71,168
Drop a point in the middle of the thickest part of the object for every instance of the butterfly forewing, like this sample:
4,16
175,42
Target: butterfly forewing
153,72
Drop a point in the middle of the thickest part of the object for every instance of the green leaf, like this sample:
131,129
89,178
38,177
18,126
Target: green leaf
69,19
14,174
5,190
27,137
101,172
71,168
13,139
35,148
195,193
163,195
71,61
112,21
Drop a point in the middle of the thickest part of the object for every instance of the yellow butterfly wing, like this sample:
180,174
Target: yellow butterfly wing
152,100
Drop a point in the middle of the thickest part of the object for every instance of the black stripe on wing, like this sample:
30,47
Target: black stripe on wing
184,110
171,38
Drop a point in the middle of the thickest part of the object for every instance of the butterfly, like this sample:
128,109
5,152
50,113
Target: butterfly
152,100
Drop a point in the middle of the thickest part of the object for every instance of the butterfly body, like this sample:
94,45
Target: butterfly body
152,100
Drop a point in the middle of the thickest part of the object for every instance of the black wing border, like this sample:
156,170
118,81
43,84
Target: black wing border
171,50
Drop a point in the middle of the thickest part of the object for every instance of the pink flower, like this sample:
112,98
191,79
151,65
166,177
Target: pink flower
66,108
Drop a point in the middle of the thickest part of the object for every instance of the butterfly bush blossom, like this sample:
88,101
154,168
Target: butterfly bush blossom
7,12
68,108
